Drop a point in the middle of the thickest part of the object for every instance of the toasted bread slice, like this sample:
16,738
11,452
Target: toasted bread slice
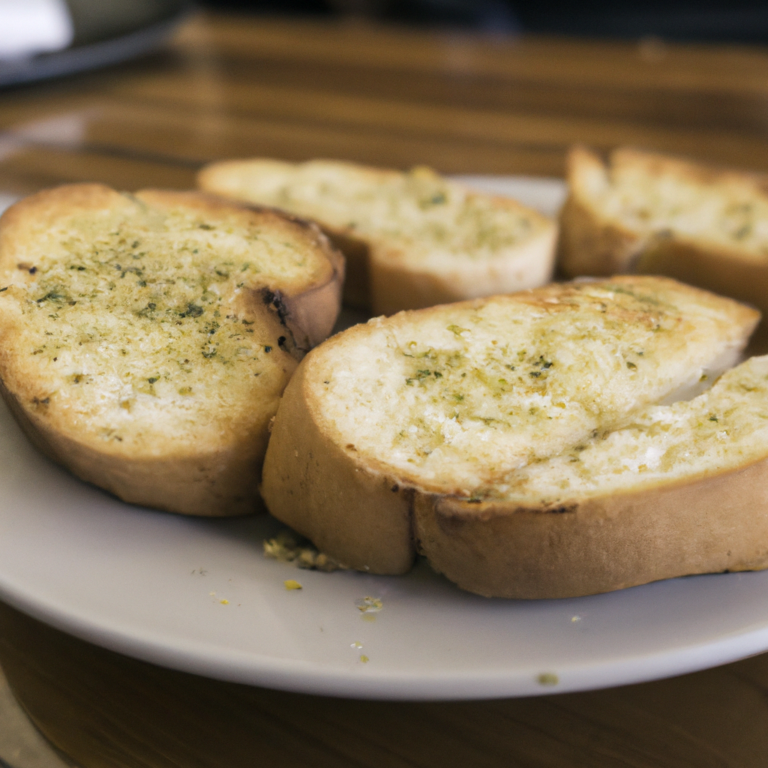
417,433
679,491
410,239
654,214
145,339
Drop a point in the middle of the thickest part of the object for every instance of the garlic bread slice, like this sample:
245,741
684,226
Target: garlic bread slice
145,339
411,239
388,423
649,213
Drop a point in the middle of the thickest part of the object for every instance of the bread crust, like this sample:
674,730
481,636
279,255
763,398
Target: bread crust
219,473
326,493
716,523
589,242
715,269
387,274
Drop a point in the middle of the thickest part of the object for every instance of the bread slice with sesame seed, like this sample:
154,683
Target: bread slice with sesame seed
411,239
145,339
533,445
645,212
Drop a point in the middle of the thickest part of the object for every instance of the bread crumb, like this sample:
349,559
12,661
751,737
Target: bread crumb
291,584
547,678
369,605
364,658
288,547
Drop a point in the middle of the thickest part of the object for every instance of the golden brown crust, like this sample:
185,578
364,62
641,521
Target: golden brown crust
718,523
396,285
318,488
217,474
590,243
590,247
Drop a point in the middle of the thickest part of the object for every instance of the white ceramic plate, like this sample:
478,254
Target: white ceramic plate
199,595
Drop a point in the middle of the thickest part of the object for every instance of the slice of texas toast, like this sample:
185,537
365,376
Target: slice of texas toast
145,339
411,239
421,433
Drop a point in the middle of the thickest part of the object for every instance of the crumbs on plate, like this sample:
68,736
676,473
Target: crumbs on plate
288,547
369,604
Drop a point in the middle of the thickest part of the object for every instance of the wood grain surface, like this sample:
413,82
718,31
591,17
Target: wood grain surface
228,86
239,86
108,711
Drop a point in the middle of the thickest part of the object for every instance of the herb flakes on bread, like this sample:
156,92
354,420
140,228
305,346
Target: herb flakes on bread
649,213
145,339
411,239
512,440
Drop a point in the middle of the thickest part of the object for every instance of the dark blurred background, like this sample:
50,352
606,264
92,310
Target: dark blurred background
103,32
706,20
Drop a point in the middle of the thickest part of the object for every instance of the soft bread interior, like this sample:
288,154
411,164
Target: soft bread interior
652,195
454,399
720,430
437,218
701,381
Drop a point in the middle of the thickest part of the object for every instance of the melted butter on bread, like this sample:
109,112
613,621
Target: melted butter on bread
420,207
721,429
156,332
412,239
454,398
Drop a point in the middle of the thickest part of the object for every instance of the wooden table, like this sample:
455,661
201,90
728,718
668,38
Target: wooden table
240,86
